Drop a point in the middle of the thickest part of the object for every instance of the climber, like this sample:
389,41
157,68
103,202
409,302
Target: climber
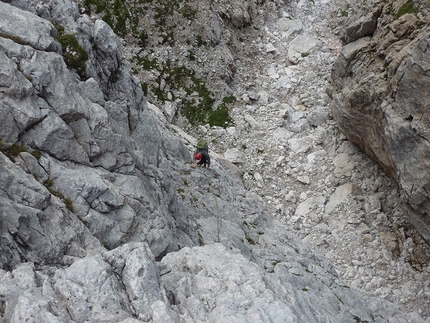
201,155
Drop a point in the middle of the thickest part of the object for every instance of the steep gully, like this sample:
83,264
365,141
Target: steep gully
312,178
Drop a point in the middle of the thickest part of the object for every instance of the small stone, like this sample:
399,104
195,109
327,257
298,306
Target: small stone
304,179
270,48
368,237
258,177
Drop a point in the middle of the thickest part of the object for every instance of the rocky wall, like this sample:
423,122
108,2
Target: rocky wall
381,100
103,220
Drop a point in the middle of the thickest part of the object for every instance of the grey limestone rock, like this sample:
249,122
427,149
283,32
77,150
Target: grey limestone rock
41,36
362,27
55,137
239,13
301,46
36,225
92,90
102,219
350,50
108,48
289,27
213,284
381,104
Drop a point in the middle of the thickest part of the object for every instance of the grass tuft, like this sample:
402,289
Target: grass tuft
408,7
74,54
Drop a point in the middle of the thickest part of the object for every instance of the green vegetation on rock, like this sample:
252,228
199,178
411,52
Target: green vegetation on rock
16,149
124,16
12,150
68,202
74,54
173,80
116,14
15,39
408,7
197,106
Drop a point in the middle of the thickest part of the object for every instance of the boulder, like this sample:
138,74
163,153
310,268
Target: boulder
235,156
301,46
362,27
350,50
289,27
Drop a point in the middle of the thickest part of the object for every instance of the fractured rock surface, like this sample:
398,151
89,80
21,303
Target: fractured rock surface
103,220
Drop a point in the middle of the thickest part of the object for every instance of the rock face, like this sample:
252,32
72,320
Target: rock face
103,220
381,98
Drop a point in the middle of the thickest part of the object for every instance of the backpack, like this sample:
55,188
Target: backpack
202,147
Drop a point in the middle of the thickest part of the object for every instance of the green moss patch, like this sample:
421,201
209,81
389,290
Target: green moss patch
12,150
408,7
